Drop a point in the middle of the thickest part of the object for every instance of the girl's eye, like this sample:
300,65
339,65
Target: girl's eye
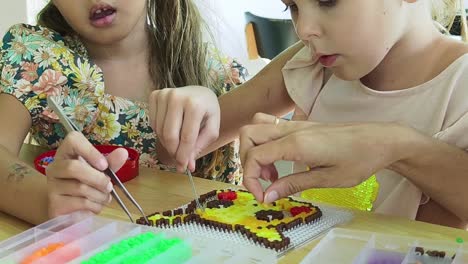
291,7
322,3
327,3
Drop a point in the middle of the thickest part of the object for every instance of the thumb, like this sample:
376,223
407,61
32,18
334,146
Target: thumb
117,158
295,183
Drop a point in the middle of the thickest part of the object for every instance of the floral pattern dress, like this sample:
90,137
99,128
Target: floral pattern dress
36,62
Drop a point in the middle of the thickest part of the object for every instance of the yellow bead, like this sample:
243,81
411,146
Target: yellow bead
359,197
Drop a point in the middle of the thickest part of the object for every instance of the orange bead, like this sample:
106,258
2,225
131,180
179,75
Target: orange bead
42,252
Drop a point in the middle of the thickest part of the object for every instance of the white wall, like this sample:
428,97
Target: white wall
18,11
226,18
34,6
12,12
227,22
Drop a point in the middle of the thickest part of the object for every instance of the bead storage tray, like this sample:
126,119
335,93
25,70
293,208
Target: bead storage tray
84,238
361,247
300,235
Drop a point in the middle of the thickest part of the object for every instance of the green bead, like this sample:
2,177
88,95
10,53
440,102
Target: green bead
459,240
152,246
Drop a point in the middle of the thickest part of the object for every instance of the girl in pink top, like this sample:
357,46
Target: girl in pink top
383,92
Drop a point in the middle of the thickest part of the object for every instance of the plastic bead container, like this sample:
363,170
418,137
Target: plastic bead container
128,171
84,238
342,246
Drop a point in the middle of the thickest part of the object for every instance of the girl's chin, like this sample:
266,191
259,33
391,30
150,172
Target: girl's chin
345,74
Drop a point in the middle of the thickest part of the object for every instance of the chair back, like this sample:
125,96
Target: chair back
272,36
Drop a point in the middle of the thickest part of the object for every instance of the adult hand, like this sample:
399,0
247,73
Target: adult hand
339,155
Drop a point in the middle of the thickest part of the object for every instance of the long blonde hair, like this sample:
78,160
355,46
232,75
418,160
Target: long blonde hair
445,12
178,53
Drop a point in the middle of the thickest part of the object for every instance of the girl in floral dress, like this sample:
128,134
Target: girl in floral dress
101,61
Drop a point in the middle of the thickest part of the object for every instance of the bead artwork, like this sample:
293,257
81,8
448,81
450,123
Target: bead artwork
238,211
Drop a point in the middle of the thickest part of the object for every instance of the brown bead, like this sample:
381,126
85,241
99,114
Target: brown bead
165,221
167,213
159,222
420,250
177,221
280,227
178,211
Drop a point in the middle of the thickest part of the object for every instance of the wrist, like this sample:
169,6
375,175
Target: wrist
407,146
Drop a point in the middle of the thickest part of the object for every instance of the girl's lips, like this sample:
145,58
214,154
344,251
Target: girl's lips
328,60
102,15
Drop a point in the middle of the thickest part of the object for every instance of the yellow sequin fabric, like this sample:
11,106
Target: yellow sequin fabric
359,197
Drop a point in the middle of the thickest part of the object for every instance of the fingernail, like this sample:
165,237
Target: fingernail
109,187
271,197
110,199
102,164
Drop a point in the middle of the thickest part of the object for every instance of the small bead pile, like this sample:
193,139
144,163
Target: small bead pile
147,246
46,161
42,252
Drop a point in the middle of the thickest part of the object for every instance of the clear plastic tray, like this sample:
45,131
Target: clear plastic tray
85,235
342,246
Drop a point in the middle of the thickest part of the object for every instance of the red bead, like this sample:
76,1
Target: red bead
299,209
229,195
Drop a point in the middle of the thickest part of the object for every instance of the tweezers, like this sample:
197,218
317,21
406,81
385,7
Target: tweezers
197,200
69,127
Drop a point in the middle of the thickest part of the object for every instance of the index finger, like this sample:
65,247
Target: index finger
188,137
76,145
254,135
259,157
81,172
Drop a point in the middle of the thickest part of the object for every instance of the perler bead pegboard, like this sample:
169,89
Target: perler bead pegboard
236,212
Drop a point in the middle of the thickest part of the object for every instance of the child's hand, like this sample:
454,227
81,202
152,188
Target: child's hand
75,179
186,120
339,155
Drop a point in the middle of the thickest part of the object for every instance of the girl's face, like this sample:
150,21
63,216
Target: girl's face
103,22
351,37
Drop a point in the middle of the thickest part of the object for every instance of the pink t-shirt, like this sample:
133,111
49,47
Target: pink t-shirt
437,108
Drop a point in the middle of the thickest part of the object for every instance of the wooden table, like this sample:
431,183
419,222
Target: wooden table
157,191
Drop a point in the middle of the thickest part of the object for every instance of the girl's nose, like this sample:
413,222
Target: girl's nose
307,26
